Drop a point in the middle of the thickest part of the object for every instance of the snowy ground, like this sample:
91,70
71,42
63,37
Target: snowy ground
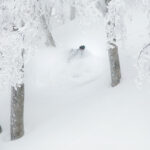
71,106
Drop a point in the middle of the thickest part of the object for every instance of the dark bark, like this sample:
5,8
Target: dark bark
114,65
17,112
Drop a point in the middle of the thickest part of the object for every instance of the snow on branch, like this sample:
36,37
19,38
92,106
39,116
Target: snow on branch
114,21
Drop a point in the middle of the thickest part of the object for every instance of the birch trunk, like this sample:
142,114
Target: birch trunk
17,112
50,39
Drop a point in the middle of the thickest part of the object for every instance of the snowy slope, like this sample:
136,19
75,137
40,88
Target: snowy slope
71,106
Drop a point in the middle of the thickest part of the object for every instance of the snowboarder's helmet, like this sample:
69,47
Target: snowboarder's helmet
82,47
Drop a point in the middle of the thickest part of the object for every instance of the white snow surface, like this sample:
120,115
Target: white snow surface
70,105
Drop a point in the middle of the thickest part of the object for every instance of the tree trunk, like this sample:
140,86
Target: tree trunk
50,39
17,112
0,129
72,13
107,1
114,65
113,52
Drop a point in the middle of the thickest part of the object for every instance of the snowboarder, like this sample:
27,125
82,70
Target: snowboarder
77,52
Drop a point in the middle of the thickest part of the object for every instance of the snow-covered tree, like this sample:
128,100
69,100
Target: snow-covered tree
113,28
47,9
143,61
23,25
24,31
101,5
143,65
